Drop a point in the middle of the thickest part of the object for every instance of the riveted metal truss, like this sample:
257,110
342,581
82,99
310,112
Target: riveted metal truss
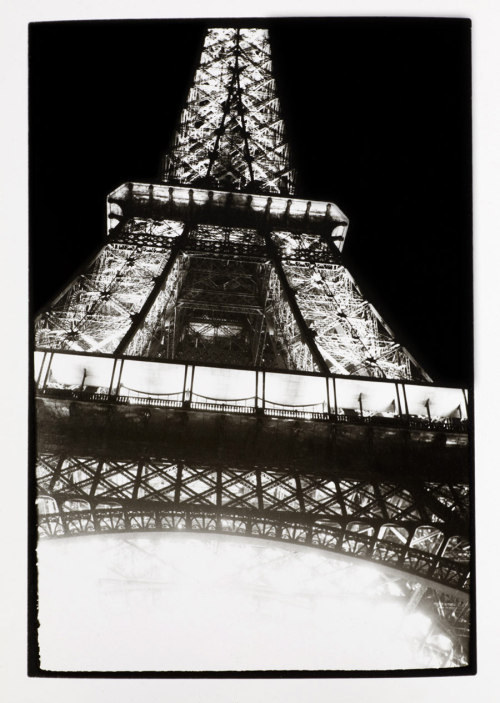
294,347
372,519
351,336
224,294
219,313
223,302
96,310
231,132
155,335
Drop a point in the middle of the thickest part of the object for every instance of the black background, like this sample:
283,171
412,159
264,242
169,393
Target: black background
378,119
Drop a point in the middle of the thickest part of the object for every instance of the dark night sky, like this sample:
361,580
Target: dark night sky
378,118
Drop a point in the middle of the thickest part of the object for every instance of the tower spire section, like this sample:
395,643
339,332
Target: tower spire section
231,132
292,304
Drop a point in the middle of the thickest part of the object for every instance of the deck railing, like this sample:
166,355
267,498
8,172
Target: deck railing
279,394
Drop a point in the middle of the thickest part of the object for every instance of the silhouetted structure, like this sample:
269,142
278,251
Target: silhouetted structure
216,367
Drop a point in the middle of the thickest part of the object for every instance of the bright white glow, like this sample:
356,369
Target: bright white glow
442,402
145,377
212,602
37,363
296,390
375,396
68,370
74,371
224,384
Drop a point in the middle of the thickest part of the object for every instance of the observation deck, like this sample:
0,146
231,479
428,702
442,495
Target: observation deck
226,208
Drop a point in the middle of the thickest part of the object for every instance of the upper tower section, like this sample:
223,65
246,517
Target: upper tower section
231,133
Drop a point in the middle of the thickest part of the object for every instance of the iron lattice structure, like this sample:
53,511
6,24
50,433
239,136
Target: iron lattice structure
335,437
231,132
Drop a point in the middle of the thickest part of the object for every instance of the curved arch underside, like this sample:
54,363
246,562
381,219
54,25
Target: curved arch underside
344,493
380,520
146,573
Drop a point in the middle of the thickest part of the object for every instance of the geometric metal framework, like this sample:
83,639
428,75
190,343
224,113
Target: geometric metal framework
245,296
380,520
377,521
273,297
219,269
231,131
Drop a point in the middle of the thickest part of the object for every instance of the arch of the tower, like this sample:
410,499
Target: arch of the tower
373,468
246,579
90,496
377,520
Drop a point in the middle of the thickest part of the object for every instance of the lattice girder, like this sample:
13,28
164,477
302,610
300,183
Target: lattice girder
376,519
348,332
231,130
225,304
304,312
287,329
379,521
99,307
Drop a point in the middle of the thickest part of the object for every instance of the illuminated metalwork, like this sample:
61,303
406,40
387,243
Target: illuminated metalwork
231,132
216,367
377,519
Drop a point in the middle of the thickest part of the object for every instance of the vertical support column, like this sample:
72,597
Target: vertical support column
259,389
307,334
258,482
96,479
178,485
119,377
218,496
184,384
138,478
399,408
466,401
193,369
41,369
300,497
405,399
116,376
328,403
345,517
264,391
333,394
188,385
47,371
112,377
428,408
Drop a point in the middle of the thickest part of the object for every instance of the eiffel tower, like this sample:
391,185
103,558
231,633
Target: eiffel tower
216,368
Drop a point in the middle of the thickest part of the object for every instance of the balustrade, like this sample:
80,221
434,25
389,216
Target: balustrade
231,390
